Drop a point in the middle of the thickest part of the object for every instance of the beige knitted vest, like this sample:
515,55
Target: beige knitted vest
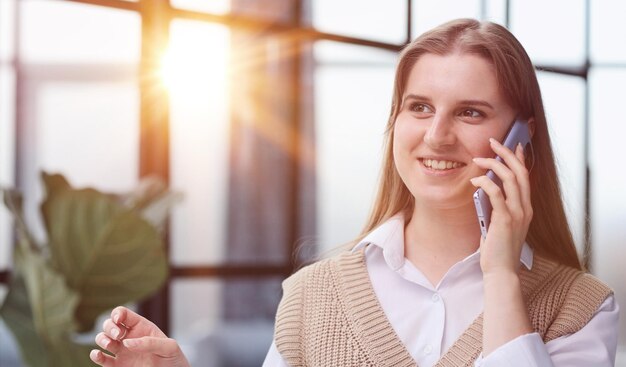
330,316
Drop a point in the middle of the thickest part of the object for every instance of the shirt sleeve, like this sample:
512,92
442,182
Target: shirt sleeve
593,345
273,358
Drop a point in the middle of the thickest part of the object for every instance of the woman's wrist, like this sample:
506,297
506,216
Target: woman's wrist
505,314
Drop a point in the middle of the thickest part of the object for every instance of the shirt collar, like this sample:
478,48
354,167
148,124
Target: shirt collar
389,237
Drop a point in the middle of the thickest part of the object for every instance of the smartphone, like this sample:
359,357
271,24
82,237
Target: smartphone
519,133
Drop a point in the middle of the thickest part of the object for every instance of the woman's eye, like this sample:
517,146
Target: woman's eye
471,113
419,107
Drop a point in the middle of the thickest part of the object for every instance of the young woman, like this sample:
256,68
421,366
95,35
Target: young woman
421,286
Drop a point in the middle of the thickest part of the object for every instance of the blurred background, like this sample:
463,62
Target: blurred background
268,116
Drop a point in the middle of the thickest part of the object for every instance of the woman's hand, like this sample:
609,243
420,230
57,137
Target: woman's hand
512,211
135,341
505,317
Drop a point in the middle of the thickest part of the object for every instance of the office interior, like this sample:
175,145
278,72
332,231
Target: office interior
265,120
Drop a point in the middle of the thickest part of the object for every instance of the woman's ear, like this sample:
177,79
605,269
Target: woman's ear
531,126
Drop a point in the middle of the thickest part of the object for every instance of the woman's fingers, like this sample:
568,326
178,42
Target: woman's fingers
496,197
128,318
132,324
516,162
524,182
104,342
113,330
511,204
102,359
514,176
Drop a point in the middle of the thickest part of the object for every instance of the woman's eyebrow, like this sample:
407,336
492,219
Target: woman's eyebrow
470,102
476,102
415,96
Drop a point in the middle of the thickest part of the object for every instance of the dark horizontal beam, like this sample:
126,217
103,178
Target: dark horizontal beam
230,271
224,271
269,26
579,71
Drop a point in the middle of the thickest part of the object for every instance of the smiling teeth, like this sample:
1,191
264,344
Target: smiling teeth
440,165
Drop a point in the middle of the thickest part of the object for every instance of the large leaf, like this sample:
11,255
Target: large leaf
19,319
66,353
153,201
149,188
52,302
39,308
55,182
108,253
13,201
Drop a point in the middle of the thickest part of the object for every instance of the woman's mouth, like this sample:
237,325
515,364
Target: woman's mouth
440,165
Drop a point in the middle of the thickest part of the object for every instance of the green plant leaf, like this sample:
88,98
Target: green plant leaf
157,211
13,201
39,308
108,253
55,182
148,189
153,201
67,353
19,319
52,302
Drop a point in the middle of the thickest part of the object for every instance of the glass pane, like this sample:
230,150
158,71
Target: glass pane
7,158
197,78
87,131
210,336
564,101
208,6
495,11
428,14
370,19
608,180
533,23
351,109
278,10
608,31
334,52
7,30
64,32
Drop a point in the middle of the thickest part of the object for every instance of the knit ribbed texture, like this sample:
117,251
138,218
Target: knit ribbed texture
330,316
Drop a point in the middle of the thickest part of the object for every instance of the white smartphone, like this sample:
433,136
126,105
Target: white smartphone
519,133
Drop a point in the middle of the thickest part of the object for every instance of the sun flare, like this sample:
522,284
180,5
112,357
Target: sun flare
195,58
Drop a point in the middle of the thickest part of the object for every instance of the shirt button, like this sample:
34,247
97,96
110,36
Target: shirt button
428,349
435,297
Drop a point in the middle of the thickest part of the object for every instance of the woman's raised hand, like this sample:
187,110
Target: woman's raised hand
512,209
505,315
135,341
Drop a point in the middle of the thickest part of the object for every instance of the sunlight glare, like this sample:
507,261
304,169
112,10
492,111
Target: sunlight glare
197,56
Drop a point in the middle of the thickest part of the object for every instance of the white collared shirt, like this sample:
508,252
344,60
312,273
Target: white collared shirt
429,318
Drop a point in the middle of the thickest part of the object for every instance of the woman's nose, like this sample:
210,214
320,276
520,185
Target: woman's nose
440,133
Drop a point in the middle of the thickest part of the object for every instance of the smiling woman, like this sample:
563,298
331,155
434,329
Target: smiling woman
378,302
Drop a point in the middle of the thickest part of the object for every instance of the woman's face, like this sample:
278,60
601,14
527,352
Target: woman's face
451,106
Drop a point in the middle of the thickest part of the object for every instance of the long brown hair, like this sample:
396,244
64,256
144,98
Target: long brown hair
549,233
